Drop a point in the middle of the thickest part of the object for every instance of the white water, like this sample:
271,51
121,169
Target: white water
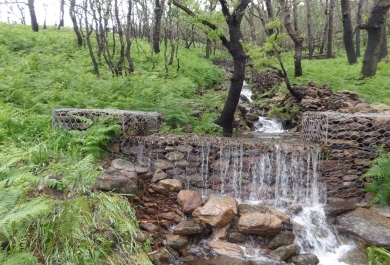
264,124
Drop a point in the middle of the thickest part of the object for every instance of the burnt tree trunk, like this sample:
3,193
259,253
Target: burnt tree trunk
348,32
357,29
376,28
34,22
74,22
158,11
233,20
294,35
330,29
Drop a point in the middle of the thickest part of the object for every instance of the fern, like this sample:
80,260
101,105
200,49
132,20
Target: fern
378,256
380,174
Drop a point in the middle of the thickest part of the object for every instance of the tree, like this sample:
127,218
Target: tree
347,31
62,11
233,19
310,38
34,23
357,29
76,29
158,12
294,35
376,29
330,29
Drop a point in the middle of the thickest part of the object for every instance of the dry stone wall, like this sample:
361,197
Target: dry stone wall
350,142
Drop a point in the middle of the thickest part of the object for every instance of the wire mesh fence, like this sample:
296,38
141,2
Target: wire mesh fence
131,122
350,142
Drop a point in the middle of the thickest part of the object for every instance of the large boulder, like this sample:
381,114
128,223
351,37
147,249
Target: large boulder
260,224
218,211
189,200
225,248
339,207
367,226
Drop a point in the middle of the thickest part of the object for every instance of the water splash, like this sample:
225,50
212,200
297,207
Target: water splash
269,125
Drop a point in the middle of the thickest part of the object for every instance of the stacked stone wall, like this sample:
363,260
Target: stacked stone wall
349,143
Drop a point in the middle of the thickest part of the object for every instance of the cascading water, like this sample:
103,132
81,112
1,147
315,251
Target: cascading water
264,124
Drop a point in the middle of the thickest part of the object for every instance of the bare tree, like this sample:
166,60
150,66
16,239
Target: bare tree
294,35
310,38
76,29
357,29
158,12
34,22
347,31
329,53
62,11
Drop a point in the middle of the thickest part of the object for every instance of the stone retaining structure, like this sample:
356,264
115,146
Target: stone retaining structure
349,143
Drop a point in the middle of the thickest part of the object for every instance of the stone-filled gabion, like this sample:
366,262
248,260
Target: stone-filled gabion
350,142
131,122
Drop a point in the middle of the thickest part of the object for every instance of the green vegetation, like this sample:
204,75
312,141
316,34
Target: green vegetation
380,174
378,256
49,210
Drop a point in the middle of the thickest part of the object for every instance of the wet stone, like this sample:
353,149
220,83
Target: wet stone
285,252
188,227
176,242
283,238
305,259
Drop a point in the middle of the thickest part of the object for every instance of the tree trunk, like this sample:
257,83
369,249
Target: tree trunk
34,23
330,29
384,51
270,13
322,47
74,22
158,11
233,20
62,10
357,29
310,38
88,39
128,40
347,31
294,36
376,28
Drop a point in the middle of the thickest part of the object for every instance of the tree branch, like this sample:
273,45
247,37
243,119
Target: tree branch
212,26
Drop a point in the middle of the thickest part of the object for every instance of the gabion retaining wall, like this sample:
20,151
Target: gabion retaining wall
350,142
131,122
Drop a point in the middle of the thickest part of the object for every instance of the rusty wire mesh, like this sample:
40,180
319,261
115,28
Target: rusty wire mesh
350,142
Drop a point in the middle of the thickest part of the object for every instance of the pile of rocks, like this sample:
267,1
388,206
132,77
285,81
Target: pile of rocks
178,219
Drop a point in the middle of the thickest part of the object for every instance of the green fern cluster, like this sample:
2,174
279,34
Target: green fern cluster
380,174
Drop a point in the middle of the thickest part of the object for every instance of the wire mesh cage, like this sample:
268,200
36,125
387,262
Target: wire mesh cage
350,142
131,122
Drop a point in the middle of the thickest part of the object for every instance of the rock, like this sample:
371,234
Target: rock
171,184
339,207
225,248
282,238
221,233
171,216
141,170
158,175
116,181
236,237
159,189
367,226
260,224
121,164
220,164
246,208
176,242
187,128
218,211
285,252
188,227
189,200
148,227
382,210
174,156
162,164
281,215
305,259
